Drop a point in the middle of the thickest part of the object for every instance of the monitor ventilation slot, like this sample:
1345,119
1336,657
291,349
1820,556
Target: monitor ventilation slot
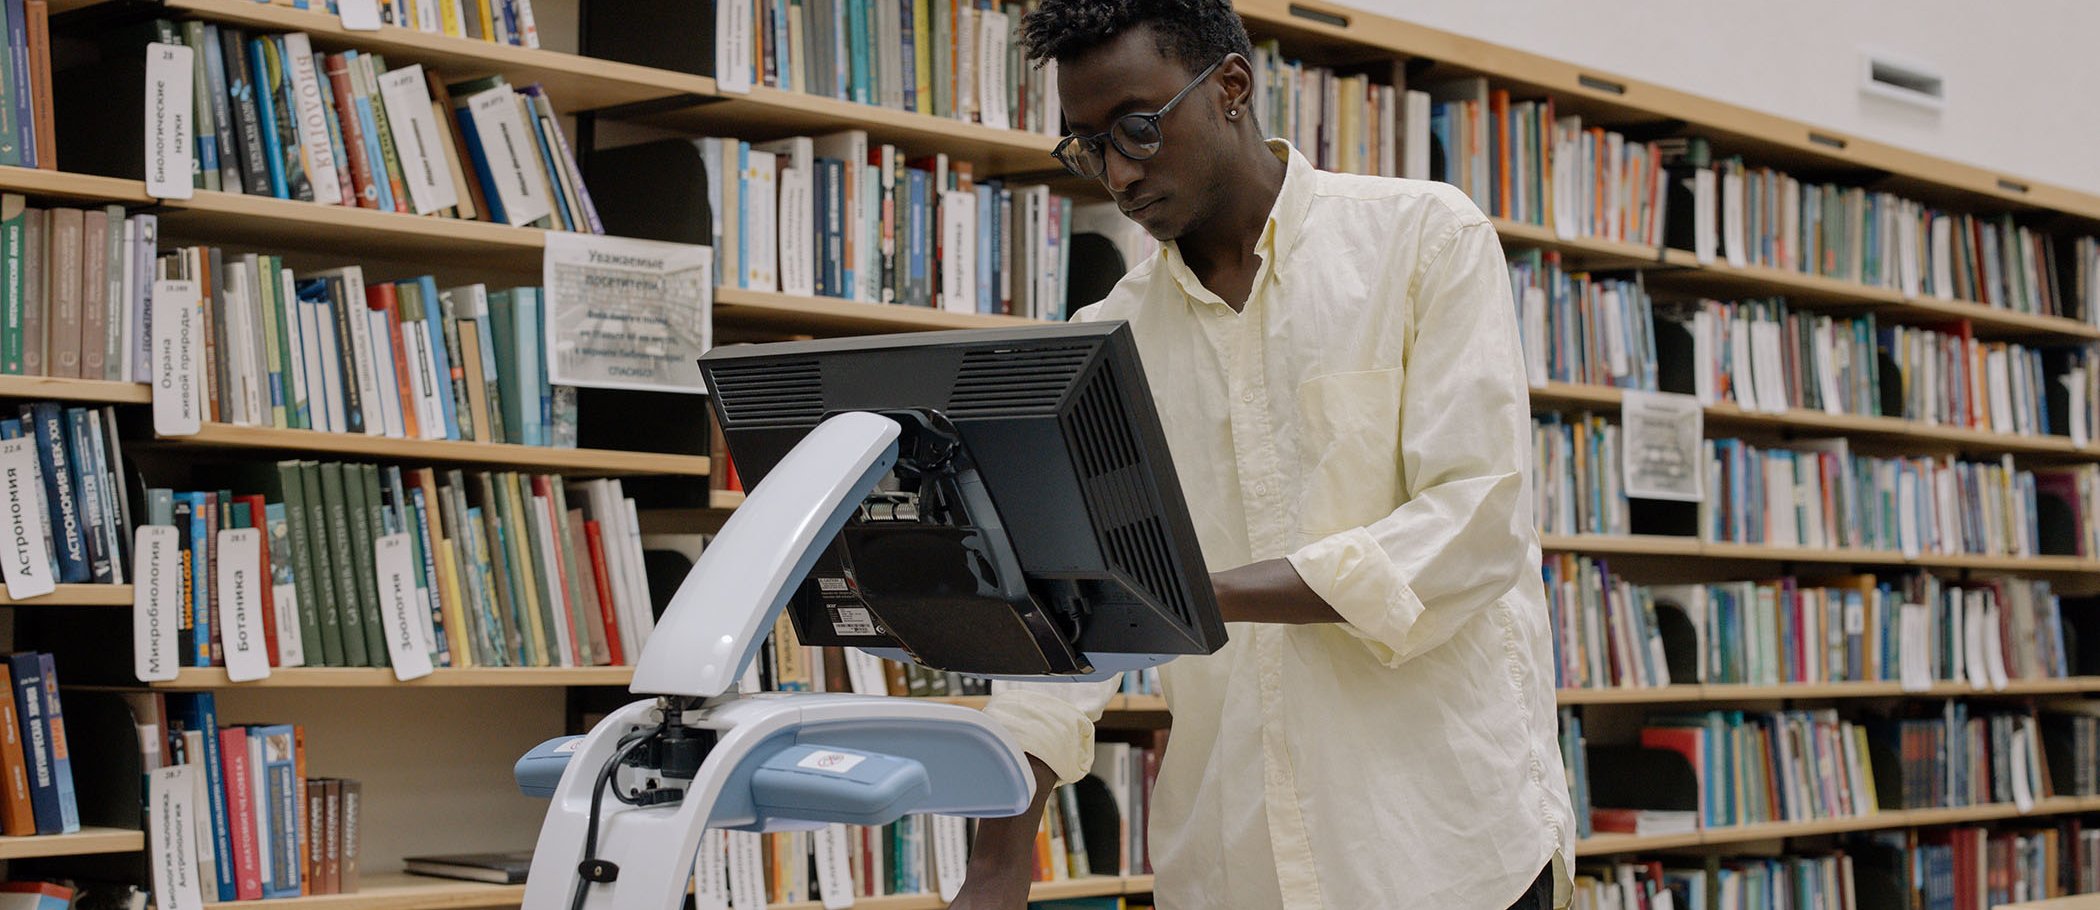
774,392
1133,541
993,382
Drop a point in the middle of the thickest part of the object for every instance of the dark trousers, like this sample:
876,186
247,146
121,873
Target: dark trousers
1540,897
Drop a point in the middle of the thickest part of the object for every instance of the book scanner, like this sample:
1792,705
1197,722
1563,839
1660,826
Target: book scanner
998,503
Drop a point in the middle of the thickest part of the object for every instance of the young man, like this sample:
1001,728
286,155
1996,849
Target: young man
1337,367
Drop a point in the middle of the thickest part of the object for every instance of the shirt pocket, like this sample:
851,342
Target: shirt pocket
1351,444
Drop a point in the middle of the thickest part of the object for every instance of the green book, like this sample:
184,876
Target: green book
343,544
526,574
576,573
276,379
14,218
288,489
316,571
381,523
546,584
502,321
362,510
499,566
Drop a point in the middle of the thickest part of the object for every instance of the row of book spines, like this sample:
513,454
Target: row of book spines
810,217
509,22
506,581
1956,506
1883,239
1848,629
79,500
1340,122
330,351
275,832
28,135
40,797
960,59
74,286
1965,760
1819,881
785,665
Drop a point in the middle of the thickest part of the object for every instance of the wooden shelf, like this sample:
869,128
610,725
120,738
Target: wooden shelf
1605,844
275,225
402,892
62,186
2073,902
1579,253
1732,692
196,678
724,499
308,443
1574,396
832,316
574,82
1091,886
1665,546
84,391
75,596
768,113
87,841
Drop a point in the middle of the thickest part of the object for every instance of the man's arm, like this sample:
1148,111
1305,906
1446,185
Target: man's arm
1269,591
1405,583
1002,862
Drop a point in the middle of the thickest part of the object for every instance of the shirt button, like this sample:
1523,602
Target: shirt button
1261,488
1247,396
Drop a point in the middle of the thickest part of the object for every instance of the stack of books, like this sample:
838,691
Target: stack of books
1578,329
837,216
266,829
1759,216
509,569
957,60
39,794
84,509
1577,480
326,350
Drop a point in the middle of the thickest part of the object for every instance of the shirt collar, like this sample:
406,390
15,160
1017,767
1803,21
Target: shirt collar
1279,234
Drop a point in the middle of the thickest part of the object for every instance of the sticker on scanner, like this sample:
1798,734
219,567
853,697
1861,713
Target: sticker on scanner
830,762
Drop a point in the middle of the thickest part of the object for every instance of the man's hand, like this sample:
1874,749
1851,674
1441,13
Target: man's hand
1002,864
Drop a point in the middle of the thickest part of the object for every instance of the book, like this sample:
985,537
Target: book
495,868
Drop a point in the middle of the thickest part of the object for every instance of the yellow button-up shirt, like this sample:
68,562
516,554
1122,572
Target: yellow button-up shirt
1365,416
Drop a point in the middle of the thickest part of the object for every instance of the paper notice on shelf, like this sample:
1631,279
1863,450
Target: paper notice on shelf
171,837
398,607
627,314
241,584
360,15
28,567
1662,448
171,138
156,602
178,400
1914,648
834,867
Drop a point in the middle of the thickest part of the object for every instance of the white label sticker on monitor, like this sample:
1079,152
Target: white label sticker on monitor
853,621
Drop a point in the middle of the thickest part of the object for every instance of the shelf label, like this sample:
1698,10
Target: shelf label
417,140
178,402
951,854
408,650
156,602
834,870
521,190
171,154
241,608
171,837
733,58
360,15
28,568
710,871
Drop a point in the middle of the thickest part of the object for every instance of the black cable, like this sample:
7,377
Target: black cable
628,744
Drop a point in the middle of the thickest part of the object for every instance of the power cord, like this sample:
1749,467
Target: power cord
592,869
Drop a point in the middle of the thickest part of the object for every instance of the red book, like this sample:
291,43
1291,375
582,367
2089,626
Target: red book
258,518
596,542
353,131
381,296
240,813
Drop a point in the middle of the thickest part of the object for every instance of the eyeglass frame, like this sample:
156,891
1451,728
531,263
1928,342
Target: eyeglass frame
1106,139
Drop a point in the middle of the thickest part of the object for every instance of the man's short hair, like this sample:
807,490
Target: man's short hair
1194,33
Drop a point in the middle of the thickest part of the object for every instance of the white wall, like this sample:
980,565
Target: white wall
2023,80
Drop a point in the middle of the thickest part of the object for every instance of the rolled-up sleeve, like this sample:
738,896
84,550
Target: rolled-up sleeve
1460,540
1054,721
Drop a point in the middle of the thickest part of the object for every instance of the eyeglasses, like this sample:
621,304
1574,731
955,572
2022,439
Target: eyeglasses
1136,136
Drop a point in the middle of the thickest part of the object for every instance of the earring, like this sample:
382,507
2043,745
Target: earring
1234,112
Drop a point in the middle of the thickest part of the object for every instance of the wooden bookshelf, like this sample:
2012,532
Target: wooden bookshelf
1732,692
1578,253
574,82
402,892
832,316
1606,844
272,225
1663,546
2073,902
75,596
60,186
199,678
1091,886
1563,396
87,841
81,391
311,443
769,113
724,499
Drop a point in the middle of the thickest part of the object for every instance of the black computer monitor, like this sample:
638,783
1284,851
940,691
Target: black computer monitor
1033,525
